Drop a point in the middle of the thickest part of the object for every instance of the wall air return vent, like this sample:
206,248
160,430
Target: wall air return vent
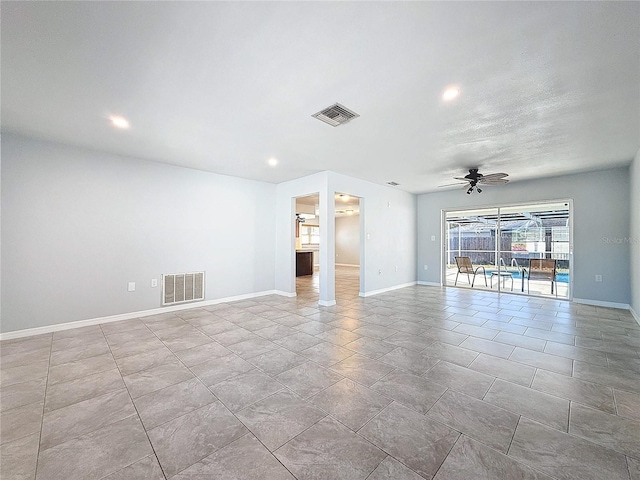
182,287
336,115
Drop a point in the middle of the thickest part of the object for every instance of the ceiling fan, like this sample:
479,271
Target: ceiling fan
476,179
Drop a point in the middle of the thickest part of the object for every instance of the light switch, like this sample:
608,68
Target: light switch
433,238
154,282
131,287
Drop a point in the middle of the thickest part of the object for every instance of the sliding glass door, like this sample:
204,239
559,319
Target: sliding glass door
522,249
471,248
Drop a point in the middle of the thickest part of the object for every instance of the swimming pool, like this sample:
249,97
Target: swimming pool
560,277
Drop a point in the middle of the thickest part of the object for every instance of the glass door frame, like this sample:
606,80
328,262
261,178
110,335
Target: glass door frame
444,246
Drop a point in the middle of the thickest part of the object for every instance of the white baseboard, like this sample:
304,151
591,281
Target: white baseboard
285,294
347,265
430,284
383,290
28,332
635,314
326,303
600,303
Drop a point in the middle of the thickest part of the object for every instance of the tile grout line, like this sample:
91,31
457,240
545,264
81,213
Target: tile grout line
488,389
513,435
137,412
615,401
519,461
629,467
44,402
449,453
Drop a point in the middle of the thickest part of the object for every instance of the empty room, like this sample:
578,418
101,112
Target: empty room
320,240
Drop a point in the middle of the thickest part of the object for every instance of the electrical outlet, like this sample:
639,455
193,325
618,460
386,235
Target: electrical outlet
154,282
131,287
598,278
426,267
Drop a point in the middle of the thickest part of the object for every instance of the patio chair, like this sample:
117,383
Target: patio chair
542,269
465,266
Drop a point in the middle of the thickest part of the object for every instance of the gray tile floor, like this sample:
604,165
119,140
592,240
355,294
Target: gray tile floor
420,382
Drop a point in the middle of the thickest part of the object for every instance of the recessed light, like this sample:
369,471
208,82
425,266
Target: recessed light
450,93
272,161
119,122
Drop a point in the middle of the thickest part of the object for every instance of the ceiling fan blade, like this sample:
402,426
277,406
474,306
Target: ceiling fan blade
464,179
494,175
452,185
494,181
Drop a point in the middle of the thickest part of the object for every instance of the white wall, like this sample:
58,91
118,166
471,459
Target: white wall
601,203
348,240
388,226
388,223
77,225
634,175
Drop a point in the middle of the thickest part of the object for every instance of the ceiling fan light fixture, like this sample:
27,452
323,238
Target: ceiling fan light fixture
474,180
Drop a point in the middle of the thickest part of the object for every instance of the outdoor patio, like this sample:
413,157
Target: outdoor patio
535,287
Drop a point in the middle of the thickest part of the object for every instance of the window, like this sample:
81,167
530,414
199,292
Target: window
309,235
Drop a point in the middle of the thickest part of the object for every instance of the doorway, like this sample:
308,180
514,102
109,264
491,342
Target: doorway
307,246
347,246
520,249
343,235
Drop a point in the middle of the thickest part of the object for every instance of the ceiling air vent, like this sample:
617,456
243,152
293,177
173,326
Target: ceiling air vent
393,184
336,115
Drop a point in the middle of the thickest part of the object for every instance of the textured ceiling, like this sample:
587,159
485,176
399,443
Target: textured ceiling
546,88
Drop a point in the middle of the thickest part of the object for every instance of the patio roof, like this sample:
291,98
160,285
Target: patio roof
515,220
